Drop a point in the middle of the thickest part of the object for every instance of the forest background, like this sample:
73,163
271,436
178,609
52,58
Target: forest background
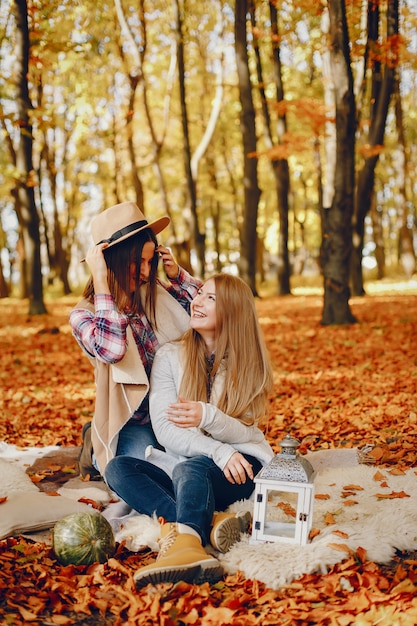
279,137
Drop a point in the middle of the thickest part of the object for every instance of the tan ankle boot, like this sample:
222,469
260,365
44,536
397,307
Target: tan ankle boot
227,528
181,557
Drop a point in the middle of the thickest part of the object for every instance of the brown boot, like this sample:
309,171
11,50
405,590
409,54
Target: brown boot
181,557
85,458
227,528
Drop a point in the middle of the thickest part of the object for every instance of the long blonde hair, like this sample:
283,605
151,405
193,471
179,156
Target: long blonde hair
241,355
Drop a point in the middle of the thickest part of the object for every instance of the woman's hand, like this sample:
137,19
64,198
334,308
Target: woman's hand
98,267
170,265
185,413
237,469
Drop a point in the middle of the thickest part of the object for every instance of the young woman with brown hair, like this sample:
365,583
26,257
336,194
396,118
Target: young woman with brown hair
126,314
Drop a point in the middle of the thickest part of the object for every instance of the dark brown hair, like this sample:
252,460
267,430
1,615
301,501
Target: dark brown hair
118,260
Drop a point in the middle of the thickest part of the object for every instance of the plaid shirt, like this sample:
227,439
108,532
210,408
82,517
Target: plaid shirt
103,335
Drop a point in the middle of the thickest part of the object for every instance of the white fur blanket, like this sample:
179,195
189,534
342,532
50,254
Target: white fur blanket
355,506
361,519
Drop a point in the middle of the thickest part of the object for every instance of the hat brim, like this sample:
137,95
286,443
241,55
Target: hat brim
156,226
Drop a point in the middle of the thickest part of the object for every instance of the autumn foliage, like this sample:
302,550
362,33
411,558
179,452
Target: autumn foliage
347,386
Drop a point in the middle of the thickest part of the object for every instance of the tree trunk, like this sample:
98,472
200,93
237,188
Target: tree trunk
216,107
157,139
57,255
134,78
25,197
279,166
248,236
136,180
376,217
199,236
406,252
381,96
337,220
4,288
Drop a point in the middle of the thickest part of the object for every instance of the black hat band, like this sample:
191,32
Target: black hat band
124,231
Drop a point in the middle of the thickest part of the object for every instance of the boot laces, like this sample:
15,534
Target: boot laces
166,542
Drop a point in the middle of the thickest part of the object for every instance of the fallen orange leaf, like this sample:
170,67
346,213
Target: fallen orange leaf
61,620
342,547
36,478
53,468
340,533
378,476
329,519
396,471
58,398
393,494
287,508
92,503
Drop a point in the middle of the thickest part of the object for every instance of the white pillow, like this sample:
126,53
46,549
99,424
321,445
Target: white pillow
31,511
13,479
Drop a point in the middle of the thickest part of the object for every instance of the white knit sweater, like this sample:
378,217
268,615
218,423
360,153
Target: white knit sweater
225,434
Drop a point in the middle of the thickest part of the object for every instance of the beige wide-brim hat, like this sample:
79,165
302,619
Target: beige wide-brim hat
121,221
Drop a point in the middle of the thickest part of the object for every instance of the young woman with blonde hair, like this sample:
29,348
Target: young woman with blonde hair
209,394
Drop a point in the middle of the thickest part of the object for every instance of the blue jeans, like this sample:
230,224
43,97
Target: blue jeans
197,489
134,438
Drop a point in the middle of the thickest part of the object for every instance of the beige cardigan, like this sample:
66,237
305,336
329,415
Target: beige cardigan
121,387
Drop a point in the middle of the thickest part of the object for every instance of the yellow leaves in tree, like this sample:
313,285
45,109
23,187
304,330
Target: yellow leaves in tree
368,151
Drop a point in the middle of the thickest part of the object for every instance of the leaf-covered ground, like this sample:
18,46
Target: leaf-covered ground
335,386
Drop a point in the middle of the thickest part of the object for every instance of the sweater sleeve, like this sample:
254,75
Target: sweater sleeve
187,442
228,429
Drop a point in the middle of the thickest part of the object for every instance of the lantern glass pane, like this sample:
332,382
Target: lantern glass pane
281,513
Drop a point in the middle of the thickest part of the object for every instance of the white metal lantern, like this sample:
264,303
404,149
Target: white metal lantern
284,495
